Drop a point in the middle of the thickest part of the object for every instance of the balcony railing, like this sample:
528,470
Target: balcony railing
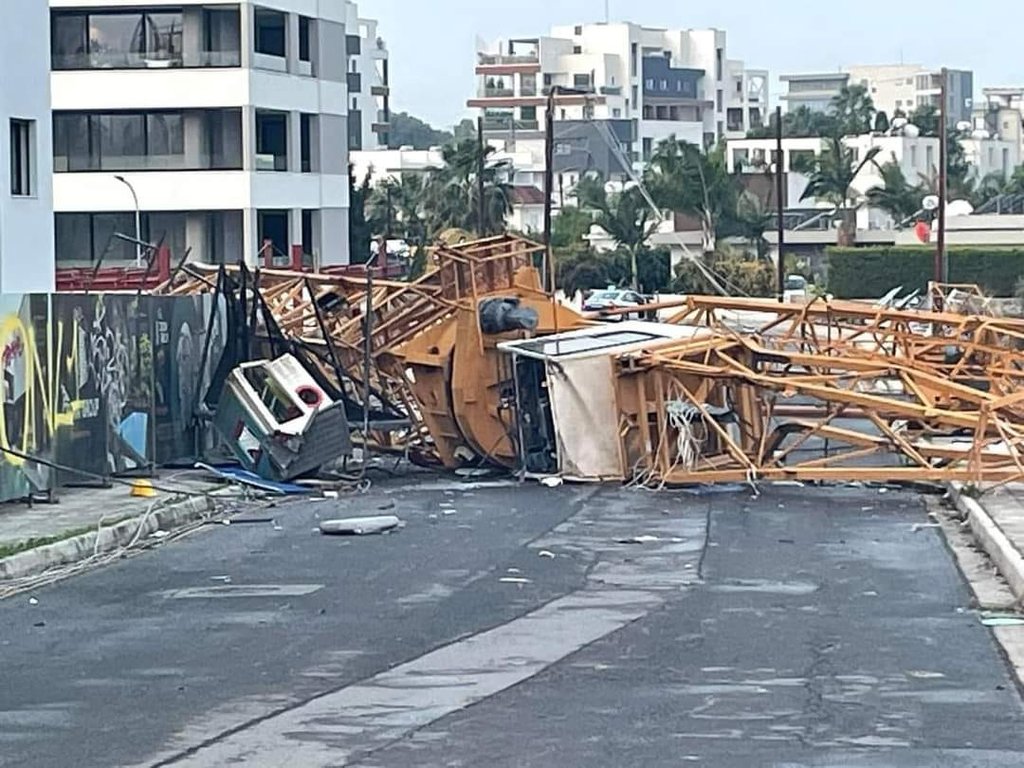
111,60
488,59
201,162
268,162
493,92
611,90
509,124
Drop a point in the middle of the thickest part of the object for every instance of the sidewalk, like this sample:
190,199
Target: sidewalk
35,537
997,521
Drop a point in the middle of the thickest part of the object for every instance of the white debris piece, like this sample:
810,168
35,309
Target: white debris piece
359,526
551,482
514,580
545,553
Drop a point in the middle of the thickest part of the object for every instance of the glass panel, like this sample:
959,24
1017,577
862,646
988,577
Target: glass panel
122,141
70,42
165,138
73,239
116,40
71,143
223,38
270,32
166,229
303,38
163,39
104,244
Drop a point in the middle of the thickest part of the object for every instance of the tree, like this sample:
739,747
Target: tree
408,131
452,191
625,216
682,178
896,196
853,110
835,170
926,118
359,230
466,129
802,122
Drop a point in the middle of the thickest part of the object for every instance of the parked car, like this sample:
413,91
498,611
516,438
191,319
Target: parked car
615,299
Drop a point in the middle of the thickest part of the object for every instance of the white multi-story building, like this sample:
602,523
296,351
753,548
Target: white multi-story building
369,92
894,88
1001,115
917,157
666,82
227,122
26,199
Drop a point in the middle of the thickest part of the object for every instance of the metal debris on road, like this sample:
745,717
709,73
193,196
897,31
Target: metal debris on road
514,580
546,553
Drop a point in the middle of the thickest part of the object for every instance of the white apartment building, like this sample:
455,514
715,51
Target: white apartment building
26,196
665,82
918,158
1001,115
226,123
894,88
369,91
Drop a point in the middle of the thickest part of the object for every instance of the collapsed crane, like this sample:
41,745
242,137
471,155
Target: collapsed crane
476,363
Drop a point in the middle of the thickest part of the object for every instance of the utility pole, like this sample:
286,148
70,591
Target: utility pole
549,179
480,208
780,204
941,275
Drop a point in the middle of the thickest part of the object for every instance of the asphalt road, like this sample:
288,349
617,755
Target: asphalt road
521,626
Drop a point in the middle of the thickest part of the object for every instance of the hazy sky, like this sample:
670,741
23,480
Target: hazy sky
433,43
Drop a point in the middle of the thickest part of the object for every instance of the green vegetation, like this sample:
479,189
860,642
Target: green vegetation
857,273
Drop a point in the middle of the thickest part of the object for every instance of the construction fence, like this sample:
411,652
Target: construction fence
98,385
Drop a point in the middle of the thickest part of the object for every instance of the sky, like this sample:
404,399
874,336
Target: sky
432,44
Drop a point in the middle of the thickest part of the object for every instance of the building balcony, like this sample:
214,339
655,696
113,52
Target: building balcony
611,90
495,92
504,64
506,124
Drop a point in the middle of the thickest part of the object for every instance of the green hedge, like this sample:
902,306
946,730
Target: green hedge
870,272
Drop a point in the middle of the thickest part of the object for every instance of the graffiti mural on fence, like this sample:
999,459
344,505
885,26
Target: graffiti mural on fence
101,383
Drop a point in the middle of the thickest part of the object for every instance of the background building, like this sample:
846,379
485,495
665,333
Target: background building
369,109
893,88
667,82
227,122
26,195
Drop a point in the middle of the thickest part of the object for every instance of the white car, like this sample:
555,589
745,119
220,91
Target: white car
602,301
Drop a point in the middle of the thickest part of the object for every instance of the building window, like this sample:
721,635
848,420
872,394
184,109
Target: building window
616,112
581,82
577,30
547,80
304,38
270,32
116,40
718,100
92,237
663,85
271,141
22,157
577,49
528,114
648,145
719,55
306,142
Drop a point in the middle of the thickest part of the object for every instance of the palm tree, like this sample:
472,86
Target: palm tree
835,170
896,196
625,216
682,178
450,193
853,110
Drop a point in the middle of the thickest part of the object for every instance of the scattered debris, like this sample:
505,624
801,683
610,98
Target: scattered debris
33,601
159,534
546,553
643,539
331,494
990,619
551,482
278,421
921,526
360,526
514,580
223,579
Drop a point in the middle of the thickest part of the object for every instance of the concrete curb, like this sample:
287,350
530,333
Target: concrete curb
78,548
1004,554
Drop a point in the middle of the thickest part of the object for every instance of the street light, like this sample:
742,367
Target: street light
138,220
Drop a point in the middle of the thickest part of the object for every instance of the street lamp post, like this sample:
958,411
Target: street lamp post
138,220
